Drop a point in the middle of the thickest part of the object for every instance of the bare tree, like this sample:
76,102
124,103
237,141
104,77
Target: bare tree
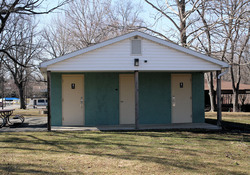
216,28
57,39
83,23
125,17
234,33
180,14
8,8
183,15
87,22
25,50
204,35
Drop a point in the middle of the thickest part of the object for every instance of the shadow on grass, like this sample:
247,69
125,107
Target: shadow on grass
188,165
27,125
22,168
196,135
231,126
114,145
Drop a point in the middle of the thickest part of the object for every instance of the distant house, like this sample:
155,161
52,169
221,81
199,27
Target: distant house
135,78
38,90
227,96
41,88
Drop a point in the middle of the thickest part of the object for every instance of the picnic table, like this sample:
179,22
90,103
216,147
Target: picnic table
5,117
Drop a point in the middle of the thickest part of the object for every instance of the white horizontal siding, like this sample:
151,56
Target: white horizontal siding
117,57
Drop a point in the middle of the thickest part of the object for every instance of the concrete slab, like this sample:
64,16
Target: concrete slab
183,126
37,124
14,106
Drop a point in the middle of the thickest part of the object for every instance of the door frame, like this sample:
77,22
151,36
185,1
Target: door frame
83,88
191,97
120,76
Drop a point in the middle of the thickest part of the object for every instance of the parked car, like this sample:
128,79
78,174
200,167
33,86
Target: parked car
38,102
41,102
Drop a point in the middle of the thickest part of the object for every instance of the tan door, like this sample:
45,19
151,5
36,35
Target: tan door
127,99
73,100
181,88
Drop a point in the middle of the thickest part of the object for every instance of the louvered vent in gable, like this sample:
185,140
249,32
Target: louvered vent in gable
136,46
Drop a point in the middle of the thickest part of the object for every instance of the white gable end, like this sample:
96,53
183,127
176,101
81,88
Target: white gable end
117,57
165,58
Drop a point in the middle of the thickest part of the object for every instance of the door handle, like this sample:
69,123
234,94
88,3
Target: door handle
81,102
173,101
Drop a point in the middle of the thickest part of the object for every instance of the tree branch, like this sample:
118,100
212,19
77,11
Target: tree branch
12,58
164,14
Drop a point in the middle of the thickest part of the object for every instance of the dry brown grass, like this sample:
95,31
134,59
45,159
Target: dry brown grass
170,152
29,112
124,153
236,117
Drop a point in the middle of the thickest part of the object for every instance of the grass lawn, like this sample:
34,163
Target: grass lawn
236,117
169,152
124,153
29,112
231,121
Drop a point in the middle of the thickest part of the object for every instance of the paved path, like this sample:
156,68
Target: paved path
12,106
178,126
31,124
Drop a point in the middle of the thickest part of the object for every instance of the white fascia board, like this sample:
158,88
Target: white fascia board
125,71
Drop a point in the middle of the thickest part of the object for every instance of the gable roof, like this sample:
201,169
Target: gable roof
129,35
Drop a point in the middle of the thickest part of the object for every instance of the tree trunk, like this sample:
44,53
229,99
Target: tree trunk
183,31
236,100
236,87
21,96
210,84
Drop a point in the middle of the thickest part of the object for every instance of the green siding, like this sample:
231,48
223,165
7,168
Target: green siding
56,99
101,99
154,98
198,97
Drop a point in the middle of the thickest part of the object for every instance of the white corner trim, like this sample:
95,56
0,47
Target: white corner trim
129,35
